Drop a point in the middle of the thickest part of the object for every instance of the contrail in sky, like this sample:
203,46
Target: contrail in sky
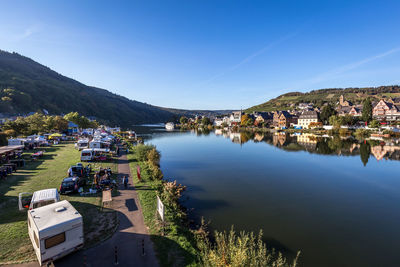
249,58
327,75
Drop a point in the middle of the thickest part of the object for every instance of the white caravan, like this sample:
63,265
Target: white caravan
38,199
82,144
55,230
87,155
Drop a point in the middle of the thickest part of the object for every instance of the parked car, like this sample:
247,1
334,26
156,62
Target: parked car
71,184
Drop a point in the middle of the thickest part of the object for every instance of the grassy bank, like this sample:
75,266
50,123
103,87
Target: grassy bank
47,172
176,245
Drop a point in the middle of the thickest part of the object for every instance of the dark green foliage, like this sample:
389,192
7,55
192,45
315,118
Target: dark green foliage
205,121
142,151
326,112
365,151
367,110
27,86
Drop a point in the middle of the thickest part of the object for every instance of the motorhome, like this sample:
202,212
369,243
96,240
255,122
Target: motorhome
95,144
87,154
38,199
82,144
55,230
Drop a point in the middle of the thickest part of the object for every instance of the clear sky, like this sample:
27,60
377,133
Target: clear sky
209,54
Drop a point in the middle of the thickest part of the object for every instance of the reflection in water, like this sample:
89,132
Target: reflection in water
334,145
322,195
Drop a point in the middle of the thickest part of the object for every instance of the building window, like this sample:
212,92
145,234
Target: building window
54,240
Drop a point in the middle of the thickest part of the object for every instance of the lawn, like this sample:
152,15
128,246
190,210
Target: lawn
48,172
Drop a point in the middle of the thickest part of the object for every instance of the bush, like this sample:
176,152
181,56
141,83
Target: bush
243,249
142,151
153,157
362,133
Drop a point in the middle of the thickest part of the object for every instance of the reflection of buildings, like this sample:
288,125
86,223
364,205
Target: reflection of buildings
258,137
319,144
279,139
308,141
218,132
386,151
235,138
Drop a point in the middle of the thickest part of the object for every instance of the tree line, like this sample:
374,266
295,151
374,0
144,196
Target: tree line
40,123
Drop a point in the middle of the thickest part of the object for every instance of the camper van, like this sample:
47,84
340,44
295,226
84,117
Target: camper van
82,144
38,199
55,230
87,155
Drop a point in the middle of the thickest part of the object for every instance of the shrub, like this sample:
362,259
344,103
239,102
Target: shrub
243,249
142,151
362,133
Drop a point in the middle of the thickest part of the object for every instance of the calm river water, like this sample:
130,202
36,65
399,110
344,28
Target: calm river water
335,200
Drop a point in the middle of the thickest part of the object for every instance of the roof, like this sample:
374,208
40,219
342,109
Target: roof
51,215
45,194
8,149
69,179
309,115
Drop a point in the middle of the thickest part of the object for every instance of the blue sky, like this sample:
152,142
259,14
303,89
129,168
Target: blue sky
209,54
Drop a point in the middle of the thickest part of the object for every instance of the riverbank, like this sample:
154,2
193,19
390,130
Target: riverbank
174,242
48,172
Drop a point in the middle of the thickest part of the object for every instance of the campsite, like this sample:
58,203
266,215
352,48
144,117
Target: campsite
48,171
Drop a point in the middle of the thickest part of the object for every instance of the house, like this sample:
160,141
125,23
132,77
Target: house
386,111
306,118
283,119
263,118
235,118
218,122
356,111
72,128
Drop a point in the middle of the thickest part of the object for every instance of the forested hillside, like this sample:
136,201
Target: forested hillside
27,86
319,97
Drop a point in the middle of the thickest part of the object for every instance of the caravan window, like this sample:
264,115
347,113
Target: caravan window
54,240
36,239
86,154
43,203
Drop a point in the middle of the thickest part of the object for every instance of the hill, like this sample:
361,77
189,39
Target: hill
321,96
27,86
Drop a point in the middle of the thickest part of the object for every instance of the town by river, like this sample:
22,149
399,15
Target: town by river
335,199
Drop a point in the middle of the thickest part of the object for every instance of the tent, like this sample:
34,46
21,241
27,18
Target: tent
55,136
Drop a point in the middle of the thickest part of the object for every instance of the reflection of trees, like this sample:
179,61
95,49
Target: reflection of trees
246,136
365,151
321,145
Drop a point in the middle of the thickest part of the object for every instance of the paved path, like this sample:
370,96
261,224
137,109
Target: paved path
128,238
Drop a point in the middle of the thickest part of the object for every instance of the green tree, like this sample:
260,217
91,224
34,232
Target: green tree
365,152
183,120
336,121
367,110
60,124
205,121
374,124
326,112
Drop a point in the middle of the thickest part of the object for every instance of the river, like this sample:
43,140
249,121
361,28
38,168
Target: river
336,200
